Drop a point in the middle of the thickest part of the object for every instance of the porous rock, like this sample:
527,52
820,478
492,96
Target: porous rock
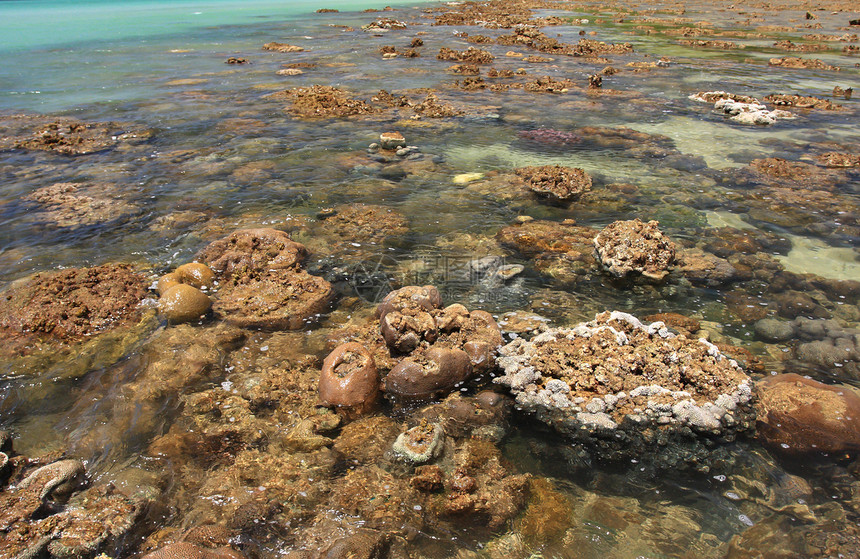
555,181
625,247
262,283
65,136
622,388
71,304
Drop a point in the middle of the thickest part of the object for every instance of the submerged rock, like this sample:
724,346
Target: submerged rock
322,101
801,416
420,444
76,205
66,136
625,247
282,47
625,389
37,517
187,550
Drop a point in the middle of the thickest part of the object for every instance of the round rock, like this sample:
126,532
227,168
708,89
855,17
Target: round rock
422,376
183,303
773,330
800,416
349,379
195,274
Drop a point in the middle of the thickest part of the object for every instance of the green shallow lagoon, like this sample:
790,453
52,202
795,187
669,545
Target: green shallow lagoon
209,424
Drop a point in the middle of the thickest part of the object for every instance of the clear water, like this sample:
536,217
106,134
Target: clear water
223,156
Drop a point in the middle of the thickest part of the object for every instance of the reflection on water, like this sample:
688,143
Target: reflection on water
209,423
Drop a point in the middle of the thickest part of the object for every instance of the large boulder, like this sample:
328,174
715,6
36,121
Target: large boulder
625,389
801,416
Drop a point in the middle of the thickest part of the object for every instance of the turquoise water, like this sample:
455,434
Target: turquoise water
51,24
66,54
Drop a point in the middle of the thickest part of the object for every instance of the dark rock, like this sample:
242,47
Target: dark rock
773,330
439,370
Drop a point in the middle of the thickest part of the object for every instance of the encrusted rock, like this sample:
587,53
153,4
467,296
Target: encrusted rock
65,136
625,247
71,304
420,444
282,47
349,380
623,388
391,140
187,550
76,205
555,181
262,284
322,101
801,416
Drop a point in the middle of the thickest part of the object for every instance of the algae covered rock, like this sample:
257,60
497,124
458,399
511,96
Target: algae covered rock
72,304
623,388
556,182
262,283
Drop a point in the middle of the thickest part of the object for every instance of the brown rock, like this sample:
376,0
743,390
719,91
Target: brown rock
412,296
471,54
65,136
405,329
798,416
677,321
282,47
167,281
556,182
321,101
437,371
186,550
74,303
802,102
252,250
349,380
391,140
624,247
280,299
801,63
184,303
195,274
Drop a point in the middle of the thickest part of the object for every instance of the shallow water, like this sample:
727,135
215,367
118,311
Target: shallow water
223,157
